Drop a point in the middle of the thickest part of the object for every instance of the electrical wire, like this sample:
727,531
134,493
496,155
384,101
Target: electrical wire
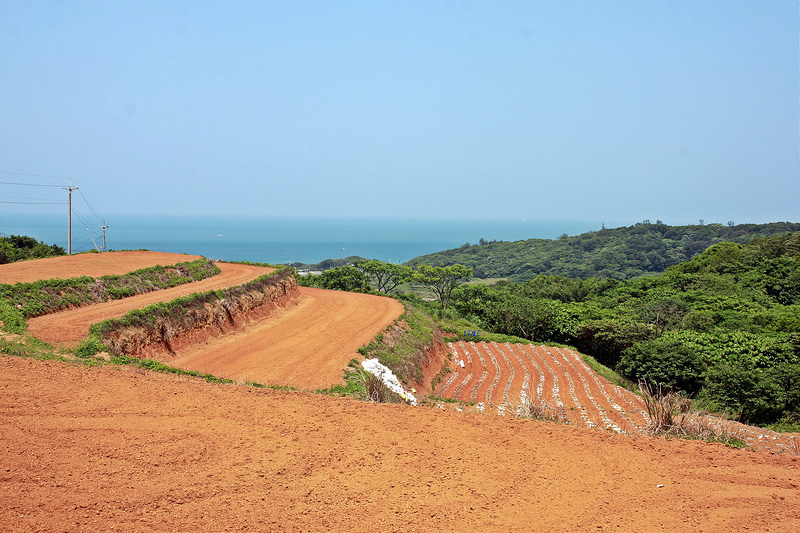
35,203
90,207
31,184
88,240
34,175
27,198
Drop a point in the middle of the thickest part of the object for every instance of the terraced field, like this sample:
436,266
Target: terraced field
105,448
499,377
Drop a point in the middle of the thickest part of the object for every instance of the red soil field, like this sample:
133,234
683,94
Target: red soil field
95,449
101,449
497,376
306,344
94,265
68,327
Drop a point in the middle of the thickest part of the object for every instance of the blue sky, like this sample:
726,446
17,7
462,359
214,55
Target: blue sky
596,110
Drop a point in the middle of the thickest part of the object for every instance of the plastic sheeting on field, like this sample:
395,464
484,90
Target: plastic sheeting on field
387,378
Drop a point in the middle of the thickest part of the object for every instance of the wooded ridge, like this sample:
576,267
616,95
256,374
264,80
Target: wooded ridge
618,253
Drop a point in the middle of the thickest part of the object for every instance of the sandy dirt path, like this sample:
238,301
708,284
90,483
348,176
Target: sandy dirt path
306,344
94,265
68,327
91,449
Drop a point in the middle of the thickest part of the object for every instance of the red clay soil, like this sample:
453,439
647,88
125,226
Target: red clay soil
306,344
569,387
68,327
94,265
100,449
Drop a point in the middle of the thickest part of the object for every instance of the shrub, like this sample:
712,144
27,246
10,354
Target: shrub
754,395
12,318
605,340
664,362
89,347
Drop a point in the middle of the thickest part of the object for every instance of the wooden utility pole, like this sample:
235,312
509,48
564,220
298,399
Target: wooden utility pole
104,226
69,220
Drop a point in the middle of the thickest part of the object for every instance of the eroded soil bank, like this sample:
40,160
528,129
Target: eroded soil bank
91,449
68,327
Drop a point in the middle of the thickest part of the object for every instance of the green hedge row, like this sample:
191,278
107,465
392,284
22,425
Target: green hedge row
48,296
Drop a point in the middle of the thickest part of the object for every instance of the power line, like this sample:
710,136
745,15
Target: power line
90,207
86,224
35,203
34,175
29,184
27,198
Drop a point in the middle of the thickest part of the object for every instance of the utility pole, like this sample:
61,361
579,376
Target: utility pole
104,226
69,220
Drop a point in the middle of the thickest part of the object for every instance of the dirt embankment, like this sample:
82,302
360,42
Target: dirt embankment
68,327
91,449
434,363
203,318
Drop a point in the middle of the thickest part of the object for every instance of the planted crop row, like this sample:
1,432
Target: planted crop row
52,295
502,376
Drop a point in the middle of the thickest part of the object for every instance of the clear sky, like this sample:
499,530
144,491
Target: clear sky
601,110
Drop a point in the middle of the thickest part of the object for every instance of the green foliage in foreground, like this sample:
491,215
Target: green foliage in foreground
20,248
724,327
619,253
12,318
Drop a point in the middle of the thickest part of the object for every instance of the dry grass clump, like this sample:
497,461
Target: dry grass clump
538,409
375,390
671,415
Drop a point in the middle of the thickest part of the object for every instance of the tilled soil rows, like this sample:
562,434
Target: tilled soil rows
499,377
102,449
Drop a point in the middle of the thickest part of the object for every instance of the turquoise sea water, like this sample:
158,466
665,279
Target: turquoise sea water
281,240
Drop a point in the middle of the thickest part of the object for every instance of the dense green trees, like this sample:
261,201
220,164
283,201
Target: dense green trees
442,280
19,247
343,278
620,253
365,276
385,277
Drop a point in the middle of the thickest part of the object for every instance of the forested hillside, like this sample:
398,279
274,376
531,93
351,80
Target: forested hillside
724,327
19,247
619,253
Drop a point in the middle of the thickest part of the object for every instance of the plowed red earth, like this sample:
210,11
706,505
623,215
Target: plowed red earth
67,327
101,449
94,265
306,344
497,377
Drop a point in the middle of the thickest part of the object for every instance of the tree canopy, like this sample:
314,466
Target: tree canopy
620,253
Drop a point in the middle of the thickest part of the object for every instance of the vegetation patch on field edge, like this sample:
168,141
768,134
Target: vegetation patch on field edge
48,296
162,321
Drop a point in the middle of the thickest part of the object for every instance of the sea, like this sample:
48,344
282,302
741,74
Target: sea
281,240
